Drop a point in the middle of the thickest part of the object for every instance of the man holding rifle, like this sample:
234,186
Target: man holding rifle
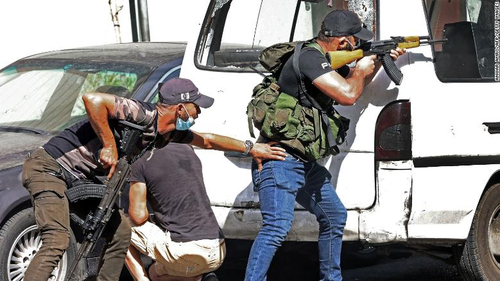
299,178
89,149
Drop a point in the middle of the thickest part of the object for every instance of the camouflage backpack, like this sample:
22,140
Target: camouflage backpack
312,128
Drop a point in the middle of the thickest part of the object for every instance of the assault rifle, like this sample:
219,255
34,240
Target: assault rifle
383,50
96,221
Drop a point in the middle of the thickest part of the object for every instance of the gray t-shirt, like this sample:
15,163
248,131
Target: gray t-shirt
176,192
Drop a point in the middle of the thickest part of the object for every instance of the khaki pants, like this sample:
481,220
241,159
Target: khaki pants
185,259
42,176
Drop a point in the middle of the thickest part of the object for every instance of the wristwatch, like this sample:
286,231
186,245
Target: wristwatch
248,145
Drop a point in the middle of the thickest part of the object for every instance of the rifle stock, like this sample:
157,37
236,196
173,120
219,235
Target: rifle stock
341,58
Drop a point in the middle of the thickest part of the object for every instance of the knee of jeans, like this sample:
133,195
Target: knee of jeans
277,232
336,219
343,215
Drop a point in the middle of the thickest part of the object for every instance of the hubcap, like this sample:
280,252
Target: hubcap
22,252
494,236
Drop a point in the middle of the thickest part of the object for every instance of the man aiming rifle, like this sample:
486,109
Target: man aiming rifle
300,178
382,49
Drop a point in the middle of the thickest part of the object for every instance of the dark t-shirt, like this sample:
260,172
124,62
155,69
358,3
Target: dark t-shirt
312,64
176,192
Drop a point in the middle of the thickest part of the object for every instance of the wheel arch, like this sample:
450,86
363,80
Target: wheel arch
14,208
494,179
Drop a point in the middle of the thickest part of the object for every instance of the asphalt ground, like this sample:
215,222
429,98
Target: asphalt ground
298,261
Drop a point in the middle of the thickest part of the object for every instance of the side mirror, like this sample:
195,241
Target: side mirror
467,55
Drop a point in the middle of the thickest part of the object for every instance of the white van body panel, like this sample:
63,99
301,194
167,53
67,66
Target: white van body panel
387,220
245,223
444,200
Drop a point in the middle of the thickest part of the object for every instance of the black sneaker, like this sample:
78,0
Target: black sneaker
210,277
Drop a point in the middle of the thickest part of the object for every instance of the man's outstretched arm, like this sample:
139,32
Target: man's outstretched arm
260,151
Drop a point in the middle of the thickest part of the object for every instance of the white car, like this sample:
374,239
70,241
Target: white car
421,162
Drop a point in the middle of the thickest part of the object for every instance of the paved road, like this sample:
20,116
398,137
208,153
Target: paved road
299,262
417,267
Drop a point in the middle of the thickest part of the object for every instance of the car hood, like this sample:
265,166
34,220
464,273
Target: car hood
15,145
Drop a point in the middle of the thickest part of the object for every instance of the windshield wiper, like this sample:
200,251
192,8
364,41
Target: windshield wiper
16,129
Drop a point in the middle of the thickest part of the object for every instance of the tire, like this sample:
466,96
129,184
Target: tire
19,241
479,257
85,191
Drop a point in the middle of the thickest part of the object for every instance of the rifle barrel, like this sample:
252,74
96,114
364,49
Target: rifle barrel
82,251
430,42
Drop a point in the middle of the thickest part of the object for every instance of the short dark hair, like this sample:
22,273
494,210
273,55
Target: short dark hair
321,35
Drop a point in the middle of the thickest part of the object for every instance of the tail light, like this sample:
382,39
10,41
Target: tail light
393,132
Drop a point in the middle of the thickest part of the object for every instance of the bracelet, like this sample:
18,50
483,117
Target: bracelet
249,146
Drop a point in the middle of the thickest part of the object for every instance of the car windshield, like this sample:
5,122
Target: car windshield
46,94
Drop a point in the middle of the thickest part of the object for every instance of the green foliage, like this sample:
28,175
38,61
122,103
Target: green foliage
109,78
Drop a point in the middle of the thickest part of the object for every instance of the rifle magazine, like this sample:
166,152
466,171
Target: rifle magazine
391,69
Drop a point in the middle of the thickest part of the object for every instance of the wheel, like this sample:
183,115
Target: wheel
479,257
19,242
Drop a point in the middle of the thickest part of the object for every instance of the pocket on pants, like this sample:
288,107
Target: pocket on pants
42,173
289,174
256,179
51,211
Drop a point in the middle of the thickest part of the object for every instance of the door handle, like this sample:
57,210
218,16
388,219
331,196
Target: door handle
493,127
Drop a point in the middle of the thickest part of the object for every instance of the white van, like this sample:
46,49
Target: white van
421,162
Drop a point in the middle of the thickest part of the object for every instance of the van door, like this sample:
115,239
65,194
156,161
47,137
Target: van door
454,118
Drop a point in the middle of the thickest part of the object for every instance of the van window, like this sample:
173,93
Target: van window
235,31
469,54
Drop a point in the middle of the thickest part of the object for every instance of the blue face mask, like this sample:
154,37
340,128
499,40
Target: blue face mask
182,125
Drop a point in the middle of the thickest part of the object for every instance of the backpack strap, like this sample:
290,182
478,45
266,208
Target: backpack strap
316,46
307,100
250,122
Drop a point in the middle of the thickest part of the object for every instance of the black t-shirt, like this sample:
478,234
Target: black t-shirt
312,64
176,192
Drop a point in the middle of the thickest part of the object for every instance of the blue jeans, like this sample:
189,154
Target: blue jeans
280,184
